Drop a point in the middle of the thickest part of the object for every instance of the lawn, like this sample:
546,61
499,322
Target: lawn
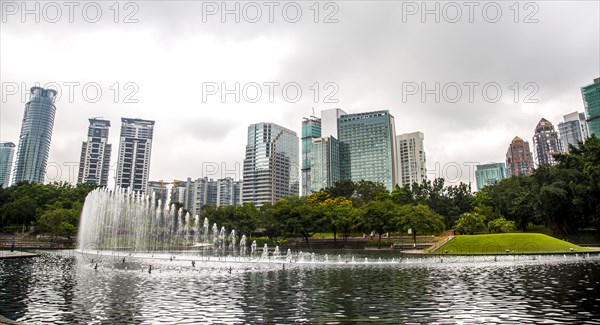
518,243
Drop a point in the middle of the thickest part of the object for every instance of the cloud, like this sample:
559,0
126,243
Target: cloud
370,54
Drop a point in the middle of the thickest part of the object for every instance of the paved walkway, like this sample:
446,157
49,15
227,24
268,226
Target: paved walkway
4,320
16,254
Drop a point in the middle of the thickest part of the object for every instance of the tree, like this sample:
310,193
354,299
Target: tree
245,219
487,212
378,216
515,199
298,216
67,229
340,215
580,176
469,223
58,222
366,191
347,219
20,211
501,225
272,225
419,219
342,188
403,195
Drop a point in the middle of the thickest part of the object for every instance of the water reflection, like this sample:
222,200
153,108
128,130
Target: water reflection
63,288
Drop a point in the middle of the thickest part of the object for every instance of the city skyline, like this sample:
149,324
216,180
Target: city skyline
368,63
98,126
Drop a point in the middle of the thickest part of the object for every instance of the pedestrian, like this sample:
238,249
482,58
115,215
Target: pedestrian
12,246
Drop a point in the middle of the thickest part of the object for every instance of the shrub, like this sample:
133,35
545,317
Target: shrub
501,225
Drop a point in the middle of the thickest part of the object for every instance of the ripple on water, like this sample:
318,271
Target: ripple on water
64,289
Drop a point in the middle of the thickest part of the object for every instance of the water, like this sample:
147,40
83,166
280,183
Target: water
63,287
141,261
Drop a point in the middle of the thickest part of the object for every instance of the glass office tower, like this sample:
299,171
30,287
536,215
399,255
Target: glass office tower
591,100
325,167
573,130
271,164
311,129
368,147
489,174
7,152
36,134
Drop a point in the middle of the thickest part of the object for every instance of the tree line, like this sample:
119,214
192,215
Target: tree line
564,197
52,208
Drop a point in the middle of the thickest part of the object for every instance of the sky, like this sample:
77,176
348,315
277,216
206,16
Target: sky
470,75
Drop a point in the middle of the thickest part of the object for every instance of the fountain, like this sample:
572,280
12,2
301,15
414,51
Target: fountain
265,253
119,224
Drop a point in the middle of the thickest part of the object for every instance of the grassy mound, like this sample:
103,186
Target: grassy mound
517,243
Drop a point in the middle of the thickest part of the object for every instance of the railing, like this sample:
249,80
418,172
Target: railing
440,243
5,244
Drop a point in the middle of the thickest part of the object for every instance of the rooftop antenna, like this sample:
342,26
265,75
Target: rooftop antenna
313,110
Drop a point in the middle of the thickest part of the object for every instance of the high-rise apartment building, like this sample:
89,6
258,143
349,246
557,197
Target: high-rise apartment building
489,174
36,134
519,160
546,143
591,101
179,192
325,166
159,189
7,152
368,148
135,148
311,129
271,164
572,130
194,195
94,163
228,192
411,158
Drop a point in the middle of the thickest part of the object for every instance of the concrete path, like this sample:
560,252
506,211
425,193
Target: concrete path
16,254
4,320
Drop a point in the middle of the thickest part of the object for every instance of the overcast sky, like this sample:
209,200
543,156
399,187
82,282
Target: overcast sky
366,55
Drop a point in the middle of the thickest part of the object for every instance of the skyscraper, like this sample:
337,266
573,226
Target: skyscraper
591,101
94,164
36,134
329,122
368,147
7,152
135,148
411,158
573,130
311,129
518,158
325,165
546,143
489,174
271,164
585,132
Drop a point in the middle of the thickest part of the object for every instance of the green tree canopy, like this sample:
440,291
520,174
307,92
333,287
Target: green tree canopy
419,219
